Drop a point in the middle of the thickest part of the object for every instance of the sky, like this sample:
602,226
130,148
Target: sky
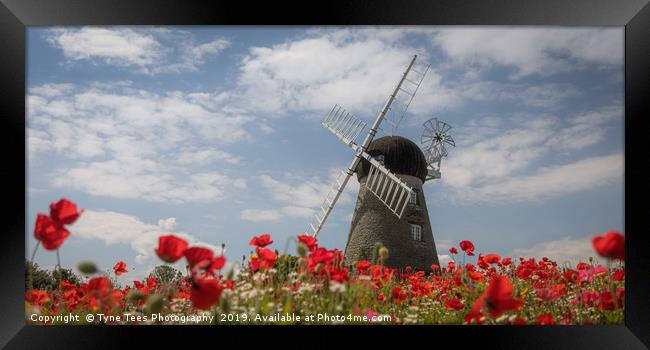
214,134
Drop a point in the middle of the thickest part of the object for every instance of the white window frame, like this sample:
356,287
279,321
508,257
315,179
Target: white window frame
413,198
416,232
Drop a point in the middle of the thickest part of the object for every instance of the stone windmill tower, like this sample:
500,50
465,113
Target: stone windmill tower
390,209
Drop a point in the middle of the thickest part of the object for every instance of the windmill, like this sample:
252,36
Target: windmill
434,138
393,169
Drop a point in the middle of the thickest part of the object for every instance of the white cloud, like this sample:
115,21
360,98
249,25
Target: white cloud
541,51
37,142
443,259
291,212
206,157
298,212
266,129
305,193
443,245
587,128
566,250
547,95
147,51
356,69
117,228
127,143
303,196
260,215
498,153
551,181
51,90
240,183
167,224
495,159
141,180
544,95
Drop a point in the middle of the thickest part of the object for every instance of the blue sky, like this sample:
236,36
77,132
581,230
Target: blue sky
213,133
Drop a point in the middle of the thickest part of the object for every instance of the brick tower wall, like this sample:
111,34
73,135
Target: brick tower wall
373,222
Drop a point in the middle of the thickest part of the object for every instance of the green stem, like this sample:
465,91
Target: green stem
58,259
31,265
612,287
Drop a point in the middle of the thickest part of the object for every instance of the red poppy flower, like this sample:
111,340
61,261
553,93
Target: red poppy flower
481,262
205,291
398,294
607,301
583,266
171,248
100,285
64,212
570,276
545,319
65,284
434,267
141,287
475,275
506,261
266,257
491,258
610,245
37,297
362,266
254,263
120,268
497,298
618,275
151,282
309,241
474,315
218,263
320,256
468,247
453,250
454,304
49,232
196,255
261,241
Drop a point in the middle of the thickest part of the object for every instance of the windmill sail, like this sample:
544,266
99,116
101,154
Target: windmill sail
347,127
389,188
328,204
343,124
435,138
405,95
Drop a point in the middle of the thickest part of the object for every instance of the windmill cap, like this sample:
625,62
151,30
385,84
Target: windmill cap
401,156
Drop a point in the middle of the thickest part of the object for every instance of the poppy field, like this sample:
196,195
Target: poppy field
315,285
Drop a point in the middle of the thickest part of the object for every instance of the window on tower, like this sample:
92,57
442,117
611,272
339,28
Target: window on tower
413,199
416,232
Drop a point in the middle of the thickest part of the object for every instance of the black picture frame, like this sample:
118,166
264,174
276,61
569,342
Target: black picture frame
16,15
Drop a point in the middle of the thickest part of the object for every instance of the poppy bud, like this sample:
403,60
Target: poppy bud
383,253
230,274
301,249
87,267
153,304
135,296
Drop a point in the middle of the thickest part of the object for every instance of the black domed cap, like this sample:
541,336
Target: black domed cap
401,156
